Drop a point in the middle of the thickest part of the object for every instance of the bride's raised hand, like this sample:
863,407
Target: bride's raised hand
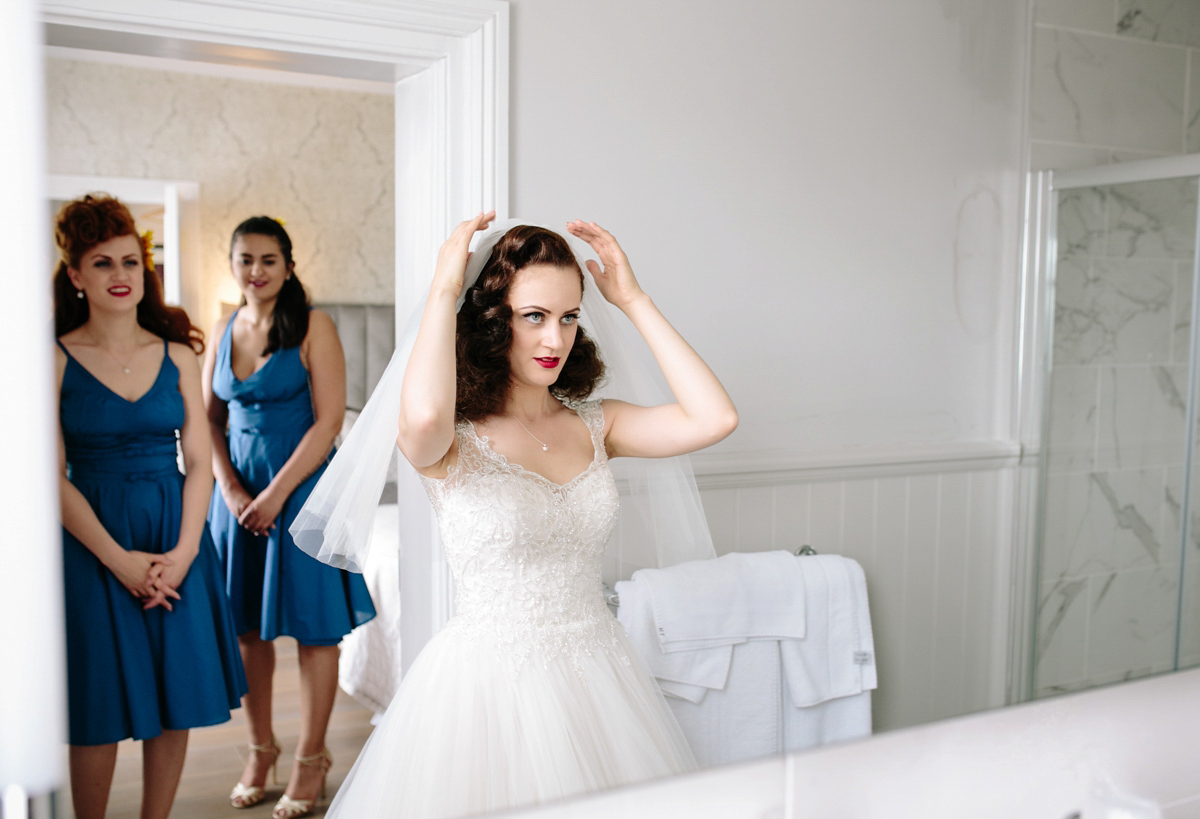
452,258
615,280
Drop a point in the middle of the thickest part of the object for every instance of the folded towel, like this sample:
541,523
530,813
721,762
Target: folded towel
722,602
686,674
744,721
837,658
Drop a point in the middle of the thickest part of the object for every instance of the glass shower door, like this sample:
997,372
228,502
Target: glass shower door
1113,575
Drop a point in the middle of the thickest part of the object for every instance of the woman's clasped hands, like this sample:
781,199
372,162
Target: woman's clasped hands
146,577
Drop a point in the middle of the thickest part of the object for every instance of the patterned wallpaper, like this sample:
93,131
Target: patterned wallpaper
321,160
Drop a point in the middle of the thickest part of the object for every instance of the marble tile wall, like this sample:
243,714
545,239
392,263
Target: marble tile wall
1115,452
1114,80
320,159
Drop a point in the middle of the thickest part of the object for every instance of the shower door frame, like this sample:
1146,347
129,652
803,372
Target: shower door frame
1035,367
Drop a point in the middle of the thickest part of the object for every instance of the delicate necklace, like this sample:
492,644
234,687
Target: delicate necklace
531,435
124,365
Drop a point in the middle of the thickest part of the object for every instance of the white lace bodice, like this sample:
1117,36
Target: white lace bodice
525,552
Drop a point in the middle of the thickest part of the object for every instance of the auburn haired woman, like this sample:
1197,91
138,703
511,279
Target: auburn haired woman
151,650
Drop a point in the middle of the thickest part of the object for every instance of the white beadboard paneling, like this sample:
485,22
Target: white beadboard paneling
930,546
920,615
825,529
858,523
720,507
791,515
986,577
950,647
755,519
885,586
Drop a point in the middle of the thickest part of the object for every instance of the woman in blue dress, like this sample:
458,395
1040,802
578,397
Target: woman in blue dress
151,649
275,390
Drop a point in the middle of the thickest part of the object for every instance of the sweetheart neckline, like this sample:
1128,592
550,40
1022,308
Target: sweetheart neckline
486,446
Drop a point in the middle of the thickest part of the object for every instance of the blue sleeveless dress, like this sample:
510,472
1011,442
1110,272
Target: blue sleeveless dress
274,587
134,673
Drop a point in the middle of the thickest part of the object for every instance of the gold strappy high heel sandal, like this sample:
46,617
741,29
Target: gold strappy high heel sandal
289,808
247,796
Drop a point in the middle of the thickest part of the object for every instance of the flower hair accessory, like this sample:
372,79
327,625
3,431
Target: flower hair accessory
148,247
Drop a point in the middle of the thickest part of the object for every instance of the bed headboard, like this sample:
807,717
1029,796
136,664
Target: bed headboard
368,334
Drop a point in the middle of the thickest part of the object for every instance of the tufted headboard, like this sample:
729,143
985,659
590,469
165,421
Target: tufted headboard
368,334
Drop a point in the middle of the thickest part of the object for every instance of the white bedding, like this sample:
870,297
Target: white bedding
369,668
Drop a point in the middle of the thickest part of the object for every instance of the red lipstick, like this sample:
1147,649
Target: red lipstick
548,363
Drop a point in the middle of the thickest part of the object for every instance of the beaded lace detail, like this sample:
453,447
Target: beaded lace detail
526,552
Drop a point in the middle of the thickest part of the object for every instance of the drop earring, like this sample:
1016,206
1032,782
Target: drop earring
79,294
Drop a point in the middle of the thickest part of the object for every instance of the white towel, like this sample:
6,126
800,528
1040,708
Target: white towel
722,602
743,721
837,658
686,674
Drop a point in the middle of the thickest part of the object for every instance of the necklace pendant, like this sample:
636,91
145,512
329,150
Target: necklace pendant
545,448
126,371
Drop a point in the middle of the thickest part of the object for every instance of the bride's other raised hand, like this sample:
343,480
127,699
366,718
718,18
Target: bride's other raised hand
615,280
452,258
425,428
703,413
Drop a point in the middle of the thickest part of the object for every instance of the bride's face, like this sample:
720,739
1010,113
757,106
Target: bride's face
545,311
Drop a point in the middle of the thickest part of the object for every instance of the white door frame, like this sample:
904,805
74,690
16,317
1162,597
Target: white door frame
450,59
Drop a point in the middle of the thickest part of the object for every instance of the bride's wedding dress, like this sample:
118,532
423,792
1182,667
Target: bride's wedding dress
532,691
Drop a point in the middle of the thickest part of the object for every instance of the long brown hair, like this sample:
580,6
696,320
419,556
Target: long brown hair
484,335
87,222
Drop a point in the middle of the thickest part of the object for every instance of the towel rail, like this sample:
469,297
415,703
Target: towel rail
613,599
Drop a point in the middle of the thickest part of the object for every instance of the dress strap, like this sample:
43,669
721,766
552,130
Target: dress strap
592,414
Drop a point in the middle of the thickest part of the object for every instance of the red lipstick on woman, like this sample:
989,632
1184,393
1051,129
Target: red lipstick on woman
549,362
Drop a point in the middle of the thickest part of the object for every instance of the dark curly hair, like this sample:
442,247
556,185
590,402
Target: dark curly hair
92,220
289,320
484,334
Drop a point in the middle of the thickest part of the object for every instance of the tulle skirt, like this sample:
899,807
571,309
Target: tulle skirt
467,733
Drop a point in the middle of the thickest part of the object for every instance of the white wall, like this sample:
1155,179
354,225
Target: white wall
788,179
824,198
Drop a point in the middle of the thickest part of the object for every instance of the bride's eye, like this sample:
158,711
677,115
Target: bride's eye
570,318
535,317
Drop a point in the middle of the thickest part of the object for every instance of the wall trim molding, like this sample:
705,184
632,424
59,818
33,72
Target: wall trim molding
736,470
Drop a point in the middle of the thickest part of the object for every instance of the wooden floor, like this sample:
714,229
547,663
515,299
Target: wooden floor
216,755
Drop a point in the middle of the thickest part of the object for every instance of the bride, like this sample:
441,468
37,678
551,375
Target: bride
532,691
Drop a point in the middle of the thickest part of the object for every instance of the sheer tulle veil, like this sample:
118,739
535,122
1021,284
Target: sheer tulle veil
663,521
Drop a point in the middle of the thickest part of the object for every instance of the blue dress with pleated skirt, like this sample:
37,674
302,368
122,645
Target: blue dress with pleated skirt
275,588
131,672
